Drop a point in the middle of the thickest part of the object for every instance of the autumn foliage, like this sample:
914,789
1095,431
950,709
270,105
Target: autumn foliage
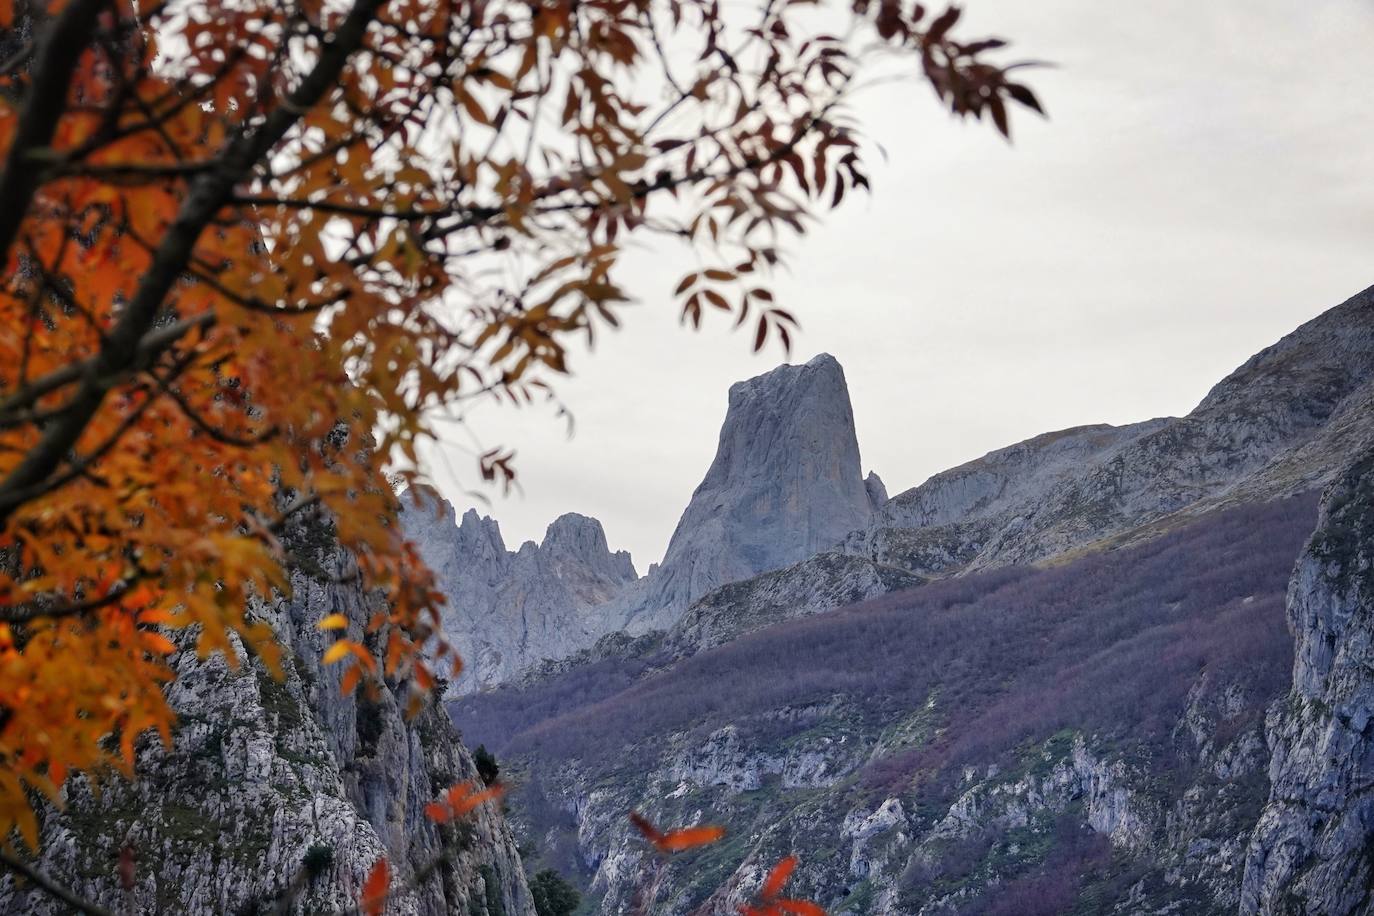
253,249
770,900
675,840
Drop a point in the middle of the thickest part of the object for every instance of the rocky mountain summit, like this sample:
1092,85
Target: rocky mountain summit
509,609
786,483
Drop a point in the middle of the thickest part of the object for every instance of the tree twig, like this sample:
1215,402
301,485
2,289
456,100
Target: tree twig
51,887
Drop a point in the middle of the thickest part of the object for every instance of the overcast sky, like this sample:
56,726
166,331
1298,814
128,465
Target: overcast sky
1204,184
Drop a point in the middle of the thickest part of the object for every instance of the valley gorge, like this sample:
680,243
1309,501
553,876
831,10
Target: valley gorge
1104,670
1225,775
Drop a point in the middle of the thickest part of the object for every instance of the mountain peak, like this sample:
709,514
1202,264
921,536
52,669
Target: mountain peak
785,484
789,374
877,491
580,539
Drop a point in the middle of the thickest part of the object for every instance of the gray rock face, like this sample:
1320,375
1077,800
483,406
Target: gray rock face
510,610
262,773
877,492
785,484
1313,848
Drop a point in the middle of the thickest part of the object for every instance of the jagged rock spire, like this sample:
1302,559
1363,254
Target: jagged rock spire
785,484
508,610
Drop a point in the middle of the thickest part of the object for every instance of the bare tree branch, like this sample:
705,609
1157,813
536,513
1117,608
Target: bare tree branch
152,344
51,887
44,103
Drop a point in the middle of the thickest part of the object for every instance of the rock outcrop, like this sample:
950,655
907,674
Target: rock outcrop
272,783
1313,849
508,610
821,583
785,484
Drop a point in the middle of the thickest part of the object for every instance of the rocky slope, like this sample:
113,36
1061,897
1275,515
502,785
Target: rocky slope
268,782
1313,849
1282,423
873,742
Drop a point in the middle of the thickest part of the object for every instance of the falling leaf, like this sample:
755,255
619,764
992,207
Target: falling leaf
375,889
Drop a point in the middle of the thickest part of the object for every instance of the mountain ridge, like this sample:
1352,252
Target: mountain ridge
1253,453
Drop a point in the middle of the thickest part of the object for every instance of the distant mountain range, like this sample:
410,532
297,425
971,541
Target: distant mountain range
786,487
1144,565
785,484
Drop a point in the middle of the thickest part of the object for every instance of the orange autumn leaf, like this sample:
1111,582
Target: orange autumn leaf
337,651
460,799
777,878
349,682
642,824
689,838
462,803
375,889
676,840
333,622
159,644
770,904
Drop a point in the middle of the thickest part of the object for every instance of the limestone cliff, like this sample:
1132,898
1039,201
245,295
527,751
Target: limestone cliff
268,780
1313,849
785,484
508,610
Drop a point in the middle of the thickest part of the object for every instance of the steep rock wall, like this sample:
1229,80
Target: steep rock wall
263,775
1313,849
